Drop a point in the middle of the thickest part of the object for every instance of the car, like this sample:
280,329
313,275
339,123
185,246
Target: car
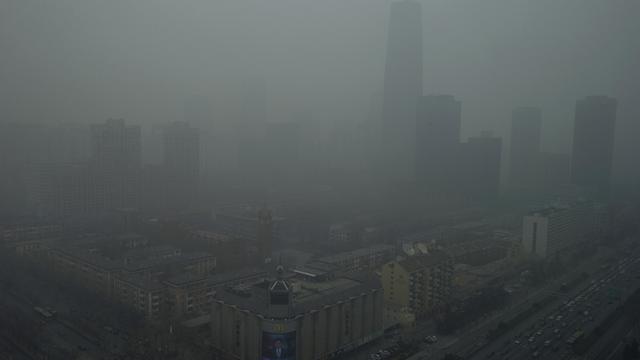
517,342
431,339
535,354
556,330
547,343
532,339
539,333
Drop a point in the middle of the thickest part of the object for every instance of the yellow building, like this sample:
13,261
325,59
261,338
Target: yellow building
419,284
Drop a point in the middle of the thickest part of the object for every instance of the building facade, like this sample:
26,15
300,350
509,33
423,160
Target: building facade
402,88
419,284
437,139
593,141
296,318
555,230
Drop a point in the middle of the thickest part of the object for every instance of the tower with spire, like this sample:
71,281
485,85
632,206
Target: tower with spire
280,295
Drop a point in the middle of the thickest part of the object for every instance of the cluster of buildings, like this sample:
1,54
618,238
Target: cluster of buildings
555,230
160,281
421,134
71,170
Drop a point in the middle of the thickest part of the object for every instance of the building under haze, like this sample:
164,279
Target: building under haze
115,166
296,317
437,140
593,141
181,166
419,284
524,163
556,230
402,88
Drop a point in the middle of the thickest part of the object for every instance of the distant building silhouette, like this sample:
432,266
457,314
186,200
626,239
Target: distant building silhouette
524,163
402,87
181,165
115,166
437,139
593,140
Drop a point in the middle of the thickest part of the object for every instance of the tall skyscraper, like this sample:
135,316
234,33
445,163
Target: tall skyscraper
524,163
593,140
402,87
437,138
182,165
115,165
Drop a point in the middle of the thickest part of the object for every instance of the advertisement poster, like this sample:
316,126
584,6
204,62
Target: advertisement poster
277,346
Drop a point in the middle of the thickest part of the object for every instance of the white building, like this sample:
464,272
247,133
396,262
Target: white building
552,230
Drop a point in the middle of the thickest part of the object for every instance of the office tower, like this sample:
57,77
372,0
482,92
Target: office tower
115,165
402,87
593,139
524,163
181,165
480,167
437,138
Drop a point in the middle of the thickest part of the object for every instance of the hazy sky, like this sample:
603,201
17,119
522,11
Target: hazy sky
88,60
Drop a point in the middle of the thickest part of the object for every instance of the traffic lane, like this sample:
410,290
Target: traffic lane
577,321
583,291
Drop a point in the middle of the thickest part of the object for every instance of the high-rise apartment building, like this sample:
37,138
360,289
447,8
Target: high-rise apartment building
525,162
181,166
115,165
593,140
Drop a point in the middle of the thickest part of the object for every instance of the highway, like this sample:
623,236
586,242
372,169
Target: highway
474,339
546,335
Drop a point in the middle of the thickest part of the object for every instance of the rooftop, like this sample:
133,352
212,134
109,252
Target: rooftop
307,295
418,262
339,257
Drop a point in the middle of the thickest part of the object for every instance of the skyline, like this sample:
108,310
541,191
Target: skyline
113,60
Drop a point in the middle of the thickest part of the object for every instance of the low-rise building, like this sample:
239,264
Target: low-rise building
361,259
85,268
142,294
188,295
421,283
556,229
296,317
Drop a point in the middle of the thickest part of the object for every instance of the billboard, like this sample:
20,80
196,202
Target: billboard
279,346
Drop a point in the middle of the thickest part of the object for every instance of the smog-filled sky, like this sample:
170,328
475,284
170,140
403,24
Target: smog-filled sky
85,60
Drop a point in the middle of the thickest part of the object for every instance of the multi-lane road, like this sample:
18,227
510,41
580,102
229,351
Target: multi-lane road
549,334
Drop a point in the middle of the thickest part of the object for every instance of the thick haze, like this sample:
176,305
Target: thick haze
85,60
